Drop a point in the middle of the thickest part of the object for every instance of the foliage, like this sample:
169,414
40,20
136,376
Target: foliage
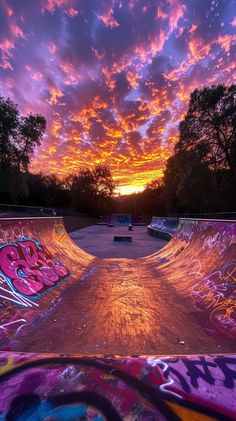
209,127
18,137
201,175
92,190
13,185
46,190
186,189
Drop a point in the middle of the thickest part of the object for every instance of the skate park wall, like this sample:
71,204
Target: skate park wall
201,260
121,219
163,227
37,262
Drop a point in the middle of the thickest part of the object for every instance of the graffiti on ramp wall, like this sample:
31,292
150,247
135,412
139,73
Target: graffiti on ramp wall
69,387
28,268
28,272
217,293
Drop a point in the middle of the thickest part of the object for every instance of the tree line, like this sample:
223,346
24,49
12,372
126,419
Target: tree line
200,176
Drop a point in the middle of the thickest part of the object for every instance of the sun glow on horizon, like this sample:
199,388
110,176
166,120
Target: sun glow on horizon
129,189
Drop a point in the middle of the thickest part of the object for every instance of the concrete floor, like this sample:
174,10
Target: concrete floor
98,240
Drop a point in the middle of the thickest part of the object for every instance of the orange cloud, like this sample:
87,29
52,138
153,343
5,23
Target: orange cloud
6,45
108,19
198,49
72,12
55,93
16,30
177,11
51,5
56,127
133,78
225,41
161,14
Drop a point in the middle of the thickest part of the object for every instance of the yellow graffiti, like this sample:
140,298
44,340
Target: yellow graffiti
9,364
58,231
225,278
227,307
187,414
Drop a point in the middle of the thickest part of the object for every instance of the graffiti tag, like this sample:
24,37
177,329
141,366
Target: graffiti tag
29,268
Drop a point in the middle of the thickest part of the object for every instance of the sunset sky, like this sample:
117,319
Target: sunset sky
112,77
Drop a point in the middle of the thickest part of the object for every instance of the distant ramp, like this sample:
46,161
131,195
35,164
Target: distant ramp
120,219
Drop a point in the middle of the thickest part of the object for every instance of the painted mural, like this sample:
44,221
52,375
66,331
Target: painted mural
43,387
164,224
34,269
202,255
28,268
217,293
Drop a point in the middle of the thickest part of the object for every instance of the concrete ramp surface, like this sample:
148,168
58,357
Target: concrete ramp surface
56,298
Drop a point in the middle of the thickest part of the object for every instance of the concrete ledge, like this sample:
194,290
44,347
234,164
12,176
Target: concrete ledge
163,235
124,238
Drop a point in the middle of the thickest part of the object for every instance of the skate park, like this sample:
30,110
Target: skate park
117,210
162,325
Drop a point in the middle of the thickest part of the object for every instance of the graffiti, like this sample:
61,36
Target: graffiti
164,224
121,219
28,267
64,408
68,387
186,230
13,232
217,241
217,292
9,294
58,231
19,322
192,373
28,271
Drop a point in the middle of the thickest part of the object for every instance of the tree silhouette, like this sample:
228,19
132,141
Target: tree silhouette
18,137
209,127
92,190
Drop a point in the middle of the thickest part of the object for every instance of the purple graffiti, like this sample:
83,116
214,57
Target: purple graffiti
69,387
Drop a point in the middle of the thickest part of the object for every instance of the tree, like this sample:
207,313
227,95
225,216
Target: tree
19,135
209,127
31,130
152,198
9,122
46,190
13,185
190,185
92,190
